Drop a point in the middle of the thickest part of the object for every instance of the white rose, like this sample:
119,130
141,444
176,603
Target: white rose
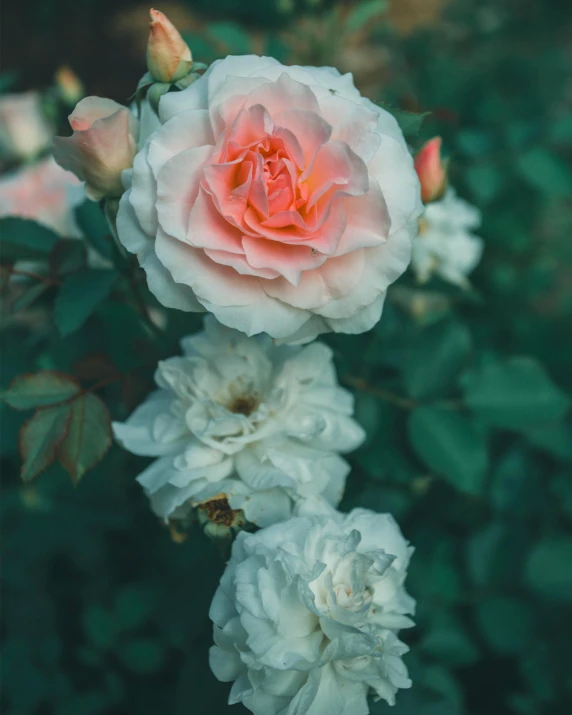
446,246
307,612
259,423
275,197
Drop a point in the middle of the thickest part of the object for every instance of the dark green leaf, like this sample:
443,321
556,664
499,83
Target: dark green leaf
40,437
40,389
88,438
29,296
451,446
24,239
546,172
548,569
505,624
94,227
142,656
132,607
99,627
79,297
514,394
448,642
555,439
437,355
68,256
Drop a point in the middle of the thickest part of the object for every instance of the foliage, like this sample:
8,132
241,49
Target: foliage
464,396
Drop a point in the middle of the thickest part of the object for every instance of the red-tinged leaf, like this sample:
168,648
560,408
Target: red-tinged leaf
40,437
88,438
96,366
40,389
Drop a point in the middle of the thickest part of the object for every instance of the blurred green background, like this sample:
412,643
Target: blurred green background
102,612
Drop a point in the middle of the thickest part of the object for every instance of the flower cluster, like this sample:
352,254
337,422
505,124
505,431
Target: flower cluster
283,203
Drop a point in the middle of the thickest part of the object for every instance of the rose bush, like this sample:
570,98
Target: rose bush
307,612
275,197
259,423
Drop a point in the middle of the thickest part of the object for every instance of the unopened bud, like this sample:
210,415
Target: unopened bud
431,170
103,144
169,58
69,85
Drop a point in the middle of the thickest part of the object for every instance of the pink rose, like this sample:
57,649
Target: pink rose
24,129
45,193
431,171
103,144
275,197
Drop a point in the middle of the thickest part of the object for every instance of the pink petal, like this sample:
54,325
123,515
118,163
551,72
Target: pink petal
309,129
208,229
286,260
367,221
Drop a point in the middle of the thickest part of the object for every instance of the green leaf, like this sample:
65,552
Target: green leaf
79,297
24,239
99,627
67,256
40,437
505,624
448,642
555,439
132,607
29,296
88,438
40,389
409,122
142,656
514,394
451,446
437,355
548,569
546,172
363,14
93,225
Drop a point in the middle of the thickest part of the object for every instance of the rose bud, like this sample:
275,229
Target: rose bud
24,130
431,170
168,56
69,85
103,144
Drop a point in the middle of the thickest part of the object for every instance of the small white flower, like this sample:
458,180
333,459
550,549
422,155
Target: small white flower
259,423
446,246
307,612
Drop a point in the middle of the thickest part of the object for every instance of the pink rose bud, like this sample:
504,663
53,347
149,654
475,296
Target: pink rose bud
431,170
102,145
24,130
168,56
69,85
